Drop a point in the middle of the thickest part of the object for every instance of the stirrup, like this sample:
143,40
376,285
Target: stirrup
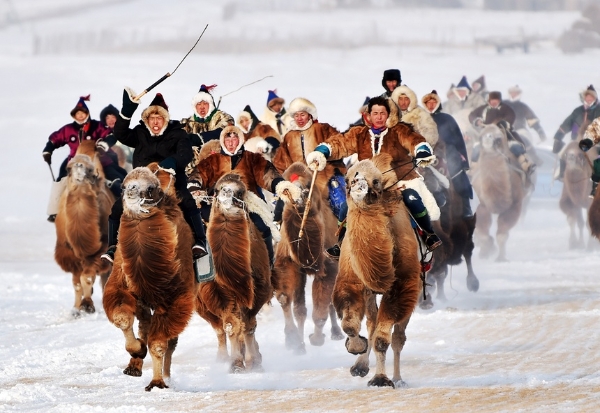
109,256
333,252
199,251
432,241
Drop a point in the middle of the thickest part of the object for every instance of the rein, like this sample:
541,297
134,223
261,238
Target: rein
403,176
143,202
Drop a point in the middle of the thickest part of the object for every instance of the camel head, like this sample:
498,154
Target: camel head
364,183
80,169
298,174
492,139
230,192
141,191
573,156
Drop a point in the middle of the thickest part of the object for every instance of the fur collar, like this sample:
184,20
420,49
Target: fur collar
293,125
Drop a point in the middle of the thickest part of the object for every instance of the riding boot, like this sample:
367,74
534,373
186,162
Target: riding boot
417,209
113,233
334,251
526,164
269,243
467,212
594,186
199,248
115,187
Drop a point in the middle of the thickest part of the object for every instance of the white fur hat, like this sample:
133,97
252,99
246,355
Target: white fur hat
302,105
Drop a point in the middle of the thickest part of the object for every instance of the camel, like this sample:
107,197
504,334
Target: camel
82,225
499,186
296,258
153,276
242,283
576,188
379,256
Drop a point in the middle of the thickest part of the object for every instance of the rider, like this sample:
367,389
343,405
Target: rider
463,98
275,115
252,127
156,139
83,128
404,145
591,137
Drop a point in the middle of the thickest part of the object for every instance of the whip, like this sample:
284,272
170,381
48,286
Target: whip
241,87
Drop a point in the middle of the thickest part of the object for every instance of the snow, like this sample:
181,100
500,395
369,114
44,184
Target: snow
527,341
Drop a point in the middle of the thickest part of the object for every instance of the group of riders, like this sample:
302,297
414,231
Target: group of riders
392,123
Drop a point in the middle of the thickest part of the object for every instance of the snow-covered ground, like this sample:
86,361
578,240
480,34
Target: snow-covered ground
527,341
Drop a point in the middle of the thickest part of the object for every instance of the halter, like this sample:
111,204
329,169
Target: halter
153,204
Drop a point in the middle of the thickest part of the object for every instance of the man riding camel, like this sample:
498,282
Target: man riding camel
275,114
463,98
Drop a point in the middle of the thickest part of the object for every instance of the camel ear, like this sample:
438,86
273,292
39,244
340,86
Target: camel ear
153,167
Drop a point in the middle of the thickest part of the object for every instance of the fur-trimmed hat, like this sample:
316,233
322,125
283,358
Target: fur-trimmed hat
81,106
590,91
302,105
408,92
247,113
432,95
109,110
273,99
228,130
391,74
157,106
481,82
515,90
204,95
495,95
464,84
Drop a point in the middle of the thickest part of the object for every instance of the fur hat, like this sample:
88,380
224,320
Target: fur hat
204,95
408,92
391,74
590,91
247,113
228,130
109,110
464,84
495,95
273,99
159,107
481,82
81,106
514,90
302,105
432,95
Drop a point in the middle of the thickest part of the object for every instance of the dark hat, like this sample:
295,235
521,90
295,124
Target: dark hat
273,99
590,91
159,101
464,84
81,106
109,110
391,74
204,95
481,81
158,106
495,95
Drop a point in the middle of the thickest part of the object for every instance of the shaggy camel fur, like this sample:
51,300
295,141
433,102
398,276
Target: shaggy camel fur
296,258
379,256
455,231
81,225
575,193
499,186
242,283
153,277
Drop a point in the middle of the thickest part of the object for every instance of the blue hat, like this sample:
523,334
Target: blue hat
464,84
81,106
273,99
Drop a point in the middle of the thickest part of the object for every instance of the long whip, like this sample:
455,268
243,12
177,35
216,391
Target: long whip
169,74
307,206
52,173
241,87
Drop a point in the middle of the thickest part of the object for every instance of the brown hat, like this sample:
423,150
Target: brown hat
495,95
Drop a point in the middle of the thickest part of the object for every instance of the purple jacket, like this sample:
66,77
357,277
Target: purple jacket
73,133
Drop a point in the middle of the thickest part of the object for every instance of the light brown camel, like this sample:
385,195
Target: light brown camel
296,258
575,192
82,225
499,186
153,277
594,216
379,256
242,283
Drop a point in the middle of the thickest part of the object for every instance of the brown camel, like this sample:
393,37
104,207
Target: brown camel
82,225
499,186
575,192
153,277
296,258
379,256
242,283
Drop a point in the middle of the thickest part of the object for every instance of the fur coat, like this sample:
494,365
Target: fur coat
270,118
593,131
213,123
416,116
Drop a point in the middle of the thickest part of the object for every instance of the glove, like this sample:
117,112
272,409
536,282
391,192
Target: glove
424,158
316,161
264,146
558,145
129,103
586,144
47,157
503,124
278,212
294,190
102,147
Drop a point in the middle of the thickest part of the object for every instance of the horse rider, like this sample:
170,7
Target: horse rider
404,145
255,171
576,123
591,137
157,138
495,112
457,158
83,128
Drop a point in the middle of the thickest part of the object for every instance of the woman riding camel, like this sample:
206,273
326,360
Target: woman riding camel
404,145
156,138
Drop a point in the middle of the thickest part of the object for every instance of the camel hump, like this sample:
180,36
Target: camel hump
298,169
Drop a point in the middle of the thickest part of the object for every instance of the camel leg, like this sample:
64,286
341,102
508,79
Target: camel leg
361,365
336,331
288,280
398,340
349,302
506,221
222,353
253,358
440,278
484,223
580,223
171,345
87,285
232,326
322,289
78,290
162,341
331,271
472,280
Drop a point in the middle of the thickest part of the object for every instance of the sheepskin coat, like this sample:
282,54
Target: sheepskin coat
593,131
280,122
208,128
416,116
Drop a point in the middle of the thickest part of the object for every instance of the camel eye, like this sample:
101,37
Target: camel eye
376,182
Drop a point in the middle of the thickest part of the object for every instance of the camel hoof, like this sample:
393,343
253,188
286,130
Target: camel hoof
257,368
87,305
156,383
381,380
472,283
237,367
222,356
426,304
400,384
75,313
135,367
132,371
317,339
337,334
359,370
357,346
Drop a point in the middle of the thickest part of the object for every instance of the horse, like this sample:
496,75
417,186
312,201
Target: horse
576,188
378,256
242,283
82,225
153,276
296,258
499,186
